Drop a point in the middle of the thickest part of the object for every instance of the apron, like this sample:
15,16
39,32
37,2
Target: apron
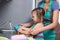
48,34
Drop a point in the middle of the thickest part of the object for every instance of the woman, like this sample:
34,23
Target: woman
50,19
49,22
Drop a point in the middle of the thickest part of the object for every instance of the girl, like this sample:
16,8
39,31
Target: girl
37,16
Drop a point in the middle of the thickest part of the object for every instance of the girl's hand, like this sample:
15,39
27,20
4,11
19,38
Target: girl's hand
20,30
24,30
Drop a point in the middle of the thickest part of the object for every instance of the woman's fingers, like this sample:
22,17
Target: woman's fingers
35,31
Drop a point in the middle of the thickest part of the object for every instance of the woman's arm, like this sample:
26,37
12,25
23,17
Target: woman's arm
55,7
39,27
55,21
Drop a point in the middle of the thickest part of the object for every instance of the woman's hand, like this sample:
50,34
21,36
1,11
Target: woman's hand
37,29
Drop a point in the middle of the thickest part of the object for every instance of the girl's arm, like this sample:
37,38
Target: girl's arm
27,24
